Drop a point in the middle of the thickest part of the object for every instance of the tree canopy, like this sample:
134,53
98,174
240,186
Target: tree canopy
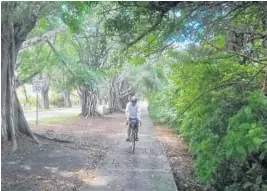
202,66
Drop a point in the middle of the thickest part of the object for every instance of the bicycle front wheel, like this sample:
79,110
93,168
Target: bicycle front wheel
133,140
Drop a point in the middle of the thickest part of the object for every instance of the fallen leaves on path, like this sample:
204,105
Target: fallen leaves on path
179,158
60,166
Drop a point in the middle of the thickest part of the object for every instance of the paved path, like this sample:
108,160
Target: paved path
31,116
145,170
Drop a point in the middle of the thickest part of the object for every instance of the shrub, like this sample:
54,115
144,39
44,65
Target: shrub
226,127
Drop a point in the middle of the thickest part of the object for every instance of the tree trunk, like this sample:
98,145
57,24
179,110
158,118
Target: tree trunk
67,100
12,37
125,100
89,103
45,99
45,91
113,98
118,102
25,94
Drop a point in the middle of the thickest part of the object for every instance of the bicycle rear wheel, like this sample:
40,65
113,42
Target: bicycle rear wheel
133,140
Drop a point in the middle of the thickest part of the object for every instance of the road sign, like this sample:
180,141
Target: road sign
37,86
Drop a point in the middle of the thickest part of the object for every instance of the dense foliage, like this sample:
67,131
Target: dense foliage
223,117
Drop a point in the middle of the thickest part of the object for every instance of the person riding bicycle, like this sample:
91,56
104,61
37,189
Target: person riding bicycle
132,113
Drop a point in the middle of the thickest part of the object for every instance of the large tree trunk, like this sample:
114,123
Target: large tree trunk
89,102
119,93
67,100
112,99
12,37
45,99
45,91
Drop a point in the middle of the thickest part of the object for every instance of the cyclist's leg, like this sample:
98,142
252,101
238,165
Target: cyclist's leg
136,130
128,132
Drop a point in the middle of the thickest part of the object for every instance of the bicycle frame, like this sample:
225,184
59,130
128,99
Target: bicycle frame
133,137
133,133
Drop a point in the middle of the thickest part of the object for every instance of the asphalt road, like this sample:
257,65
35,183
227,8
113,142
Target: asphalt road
31,116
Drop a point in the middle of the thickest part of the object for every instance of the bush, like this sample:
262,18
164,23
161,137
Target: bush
57,100
161,105
225,128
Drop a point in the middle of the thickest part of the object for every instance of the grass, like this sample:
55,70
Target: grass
54,120
43,110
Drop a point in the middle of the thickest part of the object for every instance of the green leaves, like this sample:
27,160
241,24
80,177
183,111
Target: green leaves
257,141
72,13
226,124
241,150
137,61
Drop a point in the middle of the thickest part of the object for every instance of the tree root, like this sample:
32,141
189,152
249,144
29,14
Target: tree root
32,135
98,114
121,110
53,139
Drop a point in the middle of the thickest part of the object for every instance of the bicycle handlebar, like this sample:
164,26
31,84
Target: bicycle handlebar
140,123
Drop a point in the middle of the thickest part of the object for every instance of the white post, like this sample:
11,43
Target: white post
37,109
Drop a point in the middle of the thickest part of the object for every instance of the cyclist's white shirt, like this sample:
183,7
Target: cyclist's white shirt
133,111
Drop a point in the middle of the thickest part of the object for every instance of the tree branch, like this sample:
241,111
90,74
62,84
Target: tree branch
27,79
257,73
61,58
217,87
236,53
204,93
41,39
154,26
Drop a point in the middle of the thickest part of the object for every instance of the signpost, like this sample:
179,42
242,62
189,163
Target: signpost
37,88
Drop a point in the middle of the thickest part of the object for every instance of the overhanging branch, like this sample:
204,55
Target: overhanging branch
204,93
27,79
154,26
41,39
61,58
236,53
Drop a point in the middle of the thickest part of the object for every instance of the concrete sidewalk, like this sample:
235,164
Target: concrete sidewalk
146,170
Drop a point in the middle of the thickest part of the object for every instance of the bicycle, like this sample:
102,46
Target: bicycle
133,126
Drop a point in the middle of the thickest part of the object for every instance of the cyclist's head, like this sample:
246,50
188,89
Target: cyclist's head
134,100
